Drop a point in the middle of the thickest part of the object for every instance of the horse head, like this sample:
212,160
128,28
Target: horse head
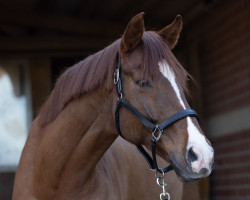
154,82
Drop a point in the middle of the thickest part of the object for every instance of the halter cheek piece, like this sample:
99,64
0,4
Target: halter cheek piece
156,130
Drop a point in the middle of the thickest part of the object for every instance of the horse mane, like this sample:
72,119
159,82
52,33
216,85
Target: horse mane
98,69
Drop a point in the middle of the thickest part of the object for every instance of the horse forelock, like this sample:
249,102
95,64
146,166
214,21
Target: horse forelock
155,50
98,69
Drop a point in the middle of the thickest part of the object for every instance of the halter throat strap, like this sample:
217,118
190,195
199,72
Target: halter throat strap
155,129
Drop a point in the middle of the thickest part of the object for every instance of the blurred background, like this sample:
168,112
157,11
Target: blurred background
41,38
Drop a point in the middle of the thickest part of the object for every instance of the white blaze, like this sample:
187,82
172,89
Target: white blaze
195,138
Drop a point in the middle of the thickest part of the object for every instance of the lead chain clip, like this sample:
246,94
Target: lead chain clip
161,182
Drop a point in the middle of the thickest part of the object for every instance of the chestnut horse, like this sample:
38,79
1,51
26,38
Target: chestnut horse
73,150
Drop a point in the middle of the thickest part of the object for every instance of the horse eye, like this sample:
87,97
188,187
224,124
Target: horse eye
143,83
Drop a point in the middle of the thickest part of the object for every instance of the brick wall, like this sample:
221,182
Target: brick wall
222,35
224,58
231,177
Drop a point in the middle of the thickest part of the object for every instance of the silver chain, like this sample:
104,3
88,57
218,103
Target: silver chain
161,182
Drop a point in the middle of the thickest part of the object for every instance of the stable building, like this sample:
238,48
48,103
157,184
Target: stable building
39,39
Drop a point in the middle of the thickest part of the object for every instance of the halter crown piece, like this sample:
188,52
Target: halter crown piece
158,128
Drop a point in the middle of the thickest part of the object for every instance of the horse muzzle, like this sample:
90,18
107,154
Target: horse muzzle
200,163
194,167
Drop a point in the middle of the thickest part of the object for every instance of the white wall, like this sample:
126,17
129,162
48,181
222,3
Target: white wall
15,113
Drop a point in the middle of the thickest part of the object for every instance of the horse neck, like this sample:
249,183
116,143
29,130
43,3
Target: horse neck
81,134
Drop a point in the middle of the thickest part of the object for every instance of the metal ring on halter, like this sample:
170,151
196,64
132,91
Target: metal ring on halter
159,135
162,173
160,179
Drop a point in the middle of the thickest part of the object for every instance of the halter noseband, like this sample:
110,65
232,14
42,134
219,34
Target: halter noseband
147,123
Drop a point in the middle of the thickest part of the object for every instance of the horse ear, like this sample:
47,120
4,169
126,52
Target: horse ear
133,33
171,33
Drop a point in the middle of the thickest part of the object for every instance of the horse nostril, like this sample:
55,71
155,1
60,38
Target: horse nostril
203,171
192,155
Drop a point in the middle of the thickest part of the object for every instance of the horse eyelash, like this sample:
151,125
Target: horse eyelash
143,83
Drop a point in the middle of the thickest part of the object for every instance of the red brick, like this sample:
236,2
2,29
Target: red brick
240,147
242,135
230,192
231,181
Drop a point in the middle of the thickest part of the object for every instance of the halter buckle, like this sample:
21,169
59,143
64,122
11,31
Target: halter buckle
116,76
159,134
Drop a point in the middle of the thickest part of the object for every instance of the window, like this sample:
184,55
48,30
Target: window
15,112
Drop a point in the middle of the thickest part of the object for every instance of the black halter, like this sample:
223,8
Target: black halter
147,123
